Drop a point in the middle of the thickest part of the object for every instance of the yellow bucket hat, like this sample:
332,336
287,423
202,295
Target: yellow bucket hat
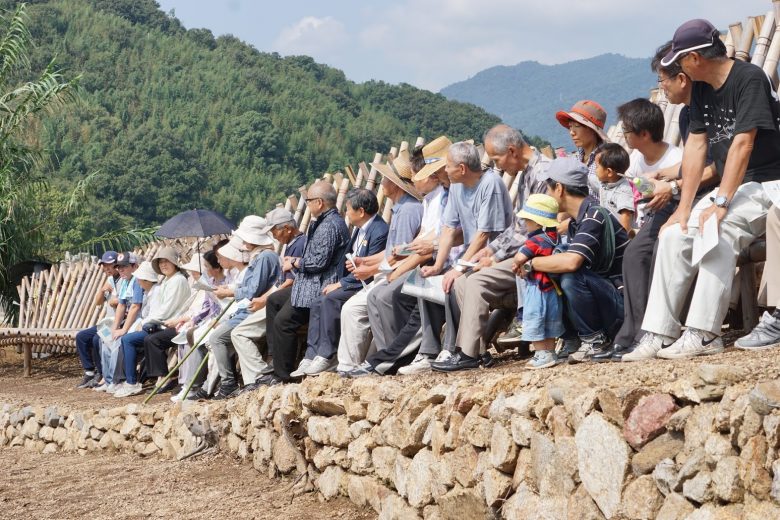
542,209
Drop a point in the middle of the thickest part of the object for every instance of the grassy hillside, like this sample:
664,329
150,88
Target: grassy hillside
528,94
172,119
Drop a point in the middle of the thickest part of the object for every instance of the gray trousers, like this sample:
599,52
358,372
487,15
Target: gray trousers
395,324
433,317
223,353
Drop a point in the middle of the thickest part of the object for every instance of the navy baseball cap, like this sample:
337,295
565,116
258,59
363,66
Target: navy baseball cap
109,257
691,36
569,171
127,258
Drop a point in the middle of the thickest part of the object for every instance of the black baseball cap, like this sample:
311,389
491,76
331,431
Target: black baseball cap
126,258
692,35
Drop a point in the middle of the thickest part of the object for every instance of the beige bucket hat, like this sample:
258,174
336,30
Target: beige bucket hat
168,253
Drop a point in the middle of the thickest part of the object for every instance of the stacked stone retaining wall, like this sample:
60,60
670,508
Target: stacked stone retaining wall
705,447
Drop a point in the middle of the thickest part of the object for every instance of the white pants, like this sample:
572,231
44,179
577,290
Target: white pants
243,337
355,344
674,274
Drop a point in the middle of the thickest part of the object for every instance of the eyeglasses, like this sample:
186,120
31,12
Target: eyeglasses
312,199
627,131
661,80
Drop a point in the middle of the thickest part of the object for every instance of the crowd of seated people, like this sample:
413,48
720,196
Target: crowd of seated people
593,261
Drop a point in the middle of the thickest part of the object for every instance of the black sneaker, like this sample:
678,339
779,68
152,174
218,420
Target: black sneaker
487,359
566,347
269,380
225,392
248,388
458,361
613,353
86,381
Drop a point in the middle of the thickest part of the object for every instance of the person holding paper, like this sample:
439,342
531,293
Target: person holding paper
735,112
369,238
407,211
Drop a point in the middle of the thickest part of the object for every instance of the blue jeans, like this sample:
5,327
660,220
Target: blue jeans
110,359
88,347
131,344
593,304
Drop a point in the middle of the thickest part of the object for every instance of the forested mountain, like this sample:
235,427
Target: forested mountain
171,119
528,94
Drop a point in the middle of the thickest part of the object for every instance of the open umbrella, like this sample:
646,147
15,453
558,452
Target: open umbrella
196,223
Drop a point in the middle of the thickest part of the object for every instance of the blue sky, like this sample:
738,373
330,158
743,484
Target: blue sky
433,43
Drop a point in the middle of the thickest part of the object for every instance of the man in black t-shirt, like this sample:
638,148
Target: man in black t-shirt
734,109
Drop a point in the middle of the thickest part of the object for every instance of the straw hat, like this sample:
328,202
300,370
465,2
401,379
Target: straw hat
146,272
542,209
587,113
168,253
399,172
254,230
196,264
435,154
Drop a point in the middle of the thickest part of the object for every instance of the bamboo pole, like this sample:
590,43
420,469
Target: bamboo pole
86,298
342,194
743,50
301,207
67,284
38,279
78,296
773,54
728,41
420,141
764,38
22,290
668,115
98,279
53,297
673,135
371,184
735,31
351,175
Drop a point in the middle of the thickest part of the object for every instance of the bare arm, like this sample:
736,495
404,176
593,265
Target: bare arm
560,263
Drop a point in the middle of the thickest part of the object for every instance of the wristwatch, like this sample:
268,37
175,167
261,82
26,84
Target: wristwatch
720,201
675,188
528,268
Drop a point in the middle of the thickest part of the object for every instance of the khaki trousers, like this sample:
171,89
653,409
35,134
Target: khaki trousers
674,272
243,337
770,281
491,288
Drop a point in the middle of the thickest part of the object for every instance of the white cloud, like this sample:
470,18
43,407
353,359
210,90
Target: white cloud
317,37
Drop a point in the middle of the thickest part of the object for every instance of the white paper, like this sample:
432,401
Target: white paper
705,241
351,258
772,189
466,263
429,288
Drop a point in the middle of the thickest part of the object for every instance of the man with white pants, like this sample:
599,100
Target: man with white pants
355,340
735,108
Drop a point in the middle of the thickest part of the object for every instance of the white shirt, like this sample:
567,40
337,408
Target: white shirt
639,165
432,211
362,234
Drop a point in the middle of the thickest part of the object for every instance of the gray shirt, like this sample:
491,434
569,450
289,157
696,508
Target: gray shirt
484,208
531,181
405,223
617,196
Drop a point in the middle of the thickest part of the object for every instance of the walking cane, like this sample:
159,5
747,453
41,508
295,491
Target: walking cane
183,359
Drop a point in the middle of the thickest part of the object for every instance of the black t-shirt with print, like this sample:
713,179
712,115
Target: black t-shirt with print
746,101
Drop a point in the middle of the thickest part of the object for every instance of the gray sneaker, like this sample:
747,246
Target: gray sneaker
513,334
542,359
765,335
596,345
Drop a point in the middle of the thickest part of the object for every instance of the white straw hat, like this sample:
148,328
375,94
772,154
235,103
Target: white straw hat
254,230
196,263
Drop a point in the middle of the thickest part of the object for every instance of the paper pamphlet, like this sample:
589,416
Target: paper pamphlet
772,189
351,258
466,263
705,241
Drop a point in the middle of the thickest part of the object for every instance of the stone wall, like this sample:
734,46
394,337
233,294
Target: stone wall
471,447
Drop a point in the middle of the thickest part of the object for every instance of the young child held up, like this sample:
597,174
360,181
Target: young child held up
542,305
616,192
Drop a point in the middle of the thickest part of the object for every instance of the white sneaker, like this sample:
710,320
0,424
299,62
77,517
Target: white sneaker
101,387
692,343
180,396
301,370
113,387
647,348
126,390
421,363
319,365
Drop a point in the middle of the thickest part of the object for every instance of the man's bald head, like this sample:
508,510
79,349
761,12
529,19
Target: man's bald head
321,196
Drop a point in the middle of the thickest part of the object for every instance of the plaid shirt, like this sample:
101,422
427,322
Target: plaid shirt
540,243
326,241
531,180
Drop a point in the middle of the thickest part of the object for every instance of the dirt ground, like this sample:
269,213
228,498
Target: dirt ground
129,487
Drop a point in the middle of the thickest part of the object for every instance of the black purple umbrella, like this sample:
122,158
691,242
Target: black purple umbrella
196,223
